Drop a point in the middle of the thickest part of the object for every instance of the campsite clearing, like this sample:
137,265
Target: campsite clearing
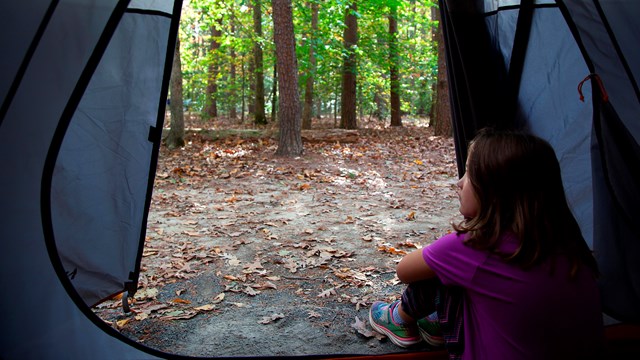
248,254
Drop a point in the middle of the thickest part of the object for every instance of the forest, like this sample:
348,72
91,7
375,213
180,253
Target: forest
296,62
254,248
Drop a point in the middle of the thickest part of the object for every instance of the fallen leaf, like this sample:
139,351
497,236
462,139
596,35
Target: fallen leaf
270,319
180,301
411,216
147,293
179,315
219,298
361,327
391,250
327,293
250,291
207,307
121,323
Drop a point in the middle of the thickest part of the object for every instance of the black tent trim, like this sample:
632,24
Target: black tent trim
27,59
149,12
616,46
155,137
518,54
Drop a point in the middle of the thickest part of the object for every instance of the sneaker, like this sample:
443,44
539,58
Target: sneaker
430,332
381,319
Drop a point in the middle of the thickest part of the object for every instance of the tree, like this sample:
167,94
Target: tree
260,117
175,138
394,76
233,113
211,105
307,112
290,142
442,117
348,119
322,52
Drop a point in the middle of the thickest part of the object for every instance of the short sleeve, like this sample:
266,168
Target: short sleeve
453,262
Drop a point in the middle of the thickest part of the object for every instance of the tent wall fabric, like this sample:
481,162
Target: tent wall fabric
566,71
84,85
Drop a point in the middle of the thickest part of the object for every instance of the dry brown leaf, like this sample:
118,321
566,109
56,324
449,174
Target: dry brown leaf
291,265
269,319
180,301
121,323
361,328
179,315
250,291
411,216
391,250
327,293
207,307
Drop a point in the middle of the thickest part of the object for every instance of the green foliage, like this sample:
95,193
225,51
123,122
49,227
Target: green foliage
417,53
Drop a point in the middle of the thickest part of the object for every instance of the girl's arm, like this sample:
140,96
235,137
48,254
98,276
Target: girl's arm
413,268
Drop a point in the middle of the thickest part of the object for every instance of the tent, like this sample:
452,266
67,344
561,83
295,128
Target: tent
84,84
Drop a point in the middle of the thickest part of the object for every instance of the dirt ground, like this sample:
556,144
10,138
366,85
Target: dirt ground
248,254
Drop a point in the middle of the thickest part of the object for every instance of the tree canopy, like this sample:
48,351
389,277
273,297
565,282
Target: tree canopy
229,25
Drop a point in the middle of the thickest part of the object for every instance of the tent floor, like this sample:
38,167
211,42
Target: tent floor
622,341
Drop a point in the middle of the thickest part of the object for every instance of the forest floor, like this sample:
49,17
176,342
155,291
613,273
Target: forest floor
248,254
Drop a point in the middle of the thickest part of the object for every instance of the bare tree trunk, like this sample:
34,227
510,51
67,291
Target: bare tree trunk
348,119
250,78
307,113
233,96
442,126
290,142
260,117
394,73
274,91
175,138
243,104
211,105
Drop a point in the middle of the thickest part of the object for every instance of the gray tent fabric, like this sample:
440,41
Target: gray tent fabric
576,72
84,85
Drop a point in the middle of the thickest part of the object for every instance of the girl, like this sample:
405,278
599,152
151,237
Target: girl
516,280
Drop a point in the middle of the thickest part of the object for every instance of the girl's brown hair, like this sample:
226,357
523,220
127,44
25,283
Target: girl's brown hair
516,177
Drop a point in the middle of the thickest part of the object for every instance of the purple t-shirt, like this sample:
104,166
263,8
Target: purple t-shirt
510,313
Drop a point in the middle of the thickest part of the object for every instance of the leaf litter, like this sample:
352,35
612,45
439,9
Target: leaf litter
283,254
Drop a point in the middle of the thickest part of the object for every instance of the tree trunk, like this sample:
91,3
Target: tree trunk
243,102
307,113
211,105
233,96
274,91
290,142
176,133
348,119
442,126
394,73
250,79
260,117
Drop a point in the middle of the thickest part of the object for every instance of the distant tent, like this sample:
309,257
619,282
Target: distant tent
84,85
